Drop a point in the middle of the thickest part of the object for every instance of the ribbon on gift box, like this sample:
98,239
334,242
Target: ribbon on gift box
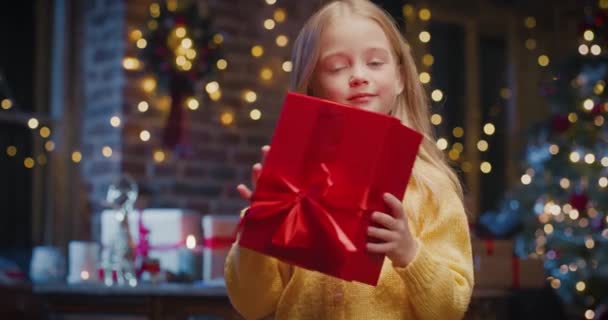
301,207
219,242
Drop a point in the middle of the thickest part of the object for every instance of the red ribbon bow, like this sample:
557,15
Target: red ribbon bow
301,207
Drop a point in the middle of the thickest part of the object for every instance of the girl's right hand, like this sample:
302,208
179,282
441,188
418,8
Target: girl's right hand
256,170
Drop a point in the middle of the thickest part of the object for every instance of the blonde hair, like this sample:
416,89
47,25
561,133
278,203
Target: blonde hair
411,105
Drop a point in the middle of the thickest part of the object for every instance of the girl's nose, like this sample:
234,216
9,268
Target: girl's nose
357,80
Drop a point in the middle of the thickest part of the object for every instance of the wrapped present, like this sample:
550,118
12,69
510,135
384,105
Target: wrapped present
327,169
167,231
219,232
496,266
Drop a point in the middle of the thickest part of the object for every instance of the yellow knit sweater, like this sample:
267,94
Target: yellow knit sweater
437,284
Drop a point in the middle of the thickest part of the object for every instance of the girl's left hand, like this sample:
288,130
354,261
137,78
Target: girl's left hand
397,241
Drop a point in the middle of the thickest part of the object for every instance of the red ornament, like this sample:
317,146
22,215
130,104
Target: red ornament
579,201
560,123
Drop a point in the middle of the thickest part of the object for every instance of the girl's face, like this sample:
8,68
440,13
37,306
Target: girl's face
356,65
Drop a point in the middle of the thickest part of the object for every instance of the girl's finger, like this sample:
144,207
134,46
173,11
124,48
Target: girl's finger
265,150
381,234
383,247
394,205
256,170
384,220
244,192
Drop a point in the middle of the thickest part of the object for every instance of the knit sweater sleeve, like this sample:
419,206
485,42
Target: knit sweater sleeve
439,281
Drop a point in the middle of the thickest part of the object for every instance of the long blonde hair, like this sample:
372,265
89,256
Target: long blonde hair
411,104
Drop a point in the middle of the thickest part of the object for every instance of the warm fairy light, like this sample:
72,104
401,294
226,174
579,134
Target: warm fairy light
33,123
11,151
152,24
596,50
458,146
424,36
6,104
269,24
227,118
589,243
257,51
115,121
190,242
458,132
583,49
543,60
437,95
250,96
482,145
222,64
142,43
603,182
172,5
454,154
588,35
266,74
130,63
575,156
84,275
144,135
280,15
148,84
580,286
408,10
41,159
564,183
554,149
526,179
106,151
255,114
530,22
436,119
212,87
282,40
425,77
442,143
49,146
271,2
505,93
589,158
76,156
530,44
287,66
466,166
489,129
555,283
155,10
428,59
588,104
143,106
192,103
159,156
45,132
135,35
548,228
424,14
216,95
218,39
485,167
589,314
574,214
29,162
598,88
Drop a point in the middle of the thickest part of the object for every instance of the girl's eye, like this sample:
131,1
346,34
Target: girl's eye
375,63
336,68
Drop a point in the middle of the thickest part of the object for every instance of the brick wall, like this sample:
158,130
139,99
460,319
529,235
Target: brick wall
222,155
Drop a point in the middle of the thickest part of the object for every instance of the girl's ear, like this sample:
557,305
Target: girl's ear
399,84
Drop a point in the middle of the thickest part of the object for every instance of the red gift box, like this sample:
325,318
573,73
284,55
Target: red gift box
326,171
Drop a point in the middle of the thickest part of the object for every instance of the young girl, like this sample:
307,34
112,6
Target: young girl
351,52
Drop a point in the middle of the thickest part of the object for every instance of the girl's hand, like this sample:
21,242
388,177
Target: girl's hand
243,190
397,241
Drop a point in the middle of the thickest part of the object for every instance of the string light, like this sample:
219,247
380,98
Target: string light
287,66
554,149
424,14
436,119
222,64
596,50
458,132
218,39
408,11
589,158
442,144
266,74
572,117
589,314
142,106
212,86
580,286
257,51
604,161
49,146
106,151
45,132
282,40
159,156
425,77
192,103
6,104
588,104
41,159
603,182
76,156
424,36
437,95
564,183
526,179
482,145
115,121
227,118
485,167
489,129
279,15
428,59
148,84
144,135
135,35
130,63
575,156
271,2
11,151
269,24
250,96
255,114
543,60
530,22
548,228
29,162
33,123
530,44
141,43
588,35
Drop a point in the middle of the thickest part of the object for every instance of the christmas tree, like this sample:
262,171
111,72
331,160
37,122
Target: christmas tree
559,210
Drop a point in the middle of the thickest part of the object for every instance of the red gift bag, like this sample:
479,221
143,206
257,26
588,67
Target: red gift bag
326,171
